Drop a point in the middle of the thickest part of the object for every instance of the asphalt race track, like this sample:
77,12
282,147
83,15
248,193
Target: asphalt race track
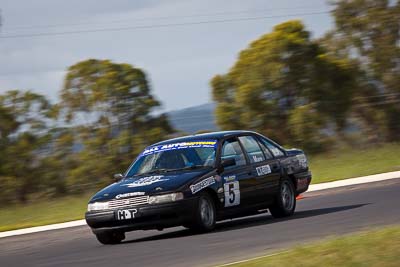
320,214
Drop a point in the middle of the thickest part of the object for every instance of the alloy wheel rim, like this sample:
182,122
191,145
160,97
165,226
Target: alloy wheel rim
206,212
287,196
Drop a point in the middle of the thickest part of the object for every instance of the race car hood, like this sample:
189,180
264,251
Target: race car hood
148,184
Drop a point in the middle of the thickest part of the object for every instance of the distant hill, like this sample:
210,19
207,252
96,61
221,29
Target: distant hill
193,119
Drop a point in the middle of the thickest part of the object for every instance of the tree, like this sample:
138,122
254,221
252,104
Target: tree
118,93
8,184
26,116
369,31
8,124
278,73
60,160
113,107
104,120
365,115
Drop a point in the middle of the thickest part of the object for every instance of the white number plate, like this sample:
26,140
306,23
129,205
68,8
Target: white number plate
126,214
232,194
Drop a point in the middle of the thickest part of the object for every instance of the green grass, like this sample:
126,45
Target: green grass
43,212
348,163
367,249
331,166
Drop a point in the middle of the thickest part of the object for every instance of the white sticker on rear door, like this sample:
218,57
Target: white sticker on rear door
263,170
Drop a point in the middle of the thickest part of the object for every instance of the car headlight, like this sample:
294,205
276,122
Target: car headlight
98,206
165,198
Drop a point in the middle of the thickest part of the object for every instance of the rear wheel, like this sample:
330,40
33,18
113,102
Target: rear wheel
109,238
205,214
285,201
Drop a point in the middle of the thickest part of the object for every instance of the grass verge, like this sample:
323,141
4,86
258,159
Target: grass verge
373,248
327,167
349,163
43,212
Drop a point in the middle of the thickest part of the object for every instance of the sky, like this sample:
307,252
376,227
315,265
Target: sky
177,43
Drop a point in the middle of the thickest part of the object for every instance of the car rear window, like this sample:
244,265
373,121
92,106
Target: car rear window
252,149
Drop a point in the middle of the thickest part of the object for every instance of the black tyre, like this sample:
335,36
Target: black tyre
110,238
285,202
205,214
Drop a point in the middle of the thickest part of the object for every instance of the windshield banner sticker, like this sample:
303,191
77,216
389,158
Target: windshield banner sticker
203,184
194,144
146,181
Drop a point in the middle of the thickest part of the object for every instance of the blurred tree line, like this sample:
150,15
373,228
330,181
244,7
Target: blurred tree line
105,118
300,91
315,93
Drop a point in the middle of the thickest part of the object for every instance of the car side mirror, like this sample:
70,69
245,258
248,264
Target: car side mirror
118,177
226,163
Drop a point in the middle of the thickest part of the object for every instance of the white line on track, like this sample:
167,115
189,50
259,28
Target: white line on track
255,258
313,187
355,181
37,229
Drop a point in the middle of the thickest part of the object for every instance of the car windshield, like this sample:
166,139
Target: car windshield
175,156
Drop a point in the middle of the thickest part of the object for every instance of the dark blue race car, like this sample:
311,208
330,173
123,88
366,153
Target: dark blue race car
197,180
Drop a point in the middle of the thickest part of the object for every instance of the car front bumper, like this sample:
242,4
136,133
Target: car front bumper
155,216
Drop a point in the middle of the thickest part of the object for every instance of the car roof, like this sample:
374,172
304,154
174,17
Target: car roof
203,136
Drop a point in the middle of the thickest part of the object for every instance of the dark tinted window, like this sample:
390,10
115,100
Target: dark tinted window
266,151
273,148
231,149
252,149
173,159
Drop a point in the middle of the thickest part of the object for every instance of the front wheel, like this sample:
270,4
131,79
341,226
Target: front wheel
205,214
285,201
110,238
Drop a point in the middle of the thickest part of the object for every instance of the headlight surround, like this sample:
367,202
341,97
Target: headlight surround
165,198
98,206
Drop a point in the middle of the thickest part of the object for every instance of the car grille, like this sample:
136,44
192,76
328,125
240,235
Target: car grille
128,202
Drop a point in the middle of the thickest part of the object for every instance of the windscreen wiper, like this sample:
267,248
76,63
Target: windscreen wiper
192,167
177,169
157,171
195,167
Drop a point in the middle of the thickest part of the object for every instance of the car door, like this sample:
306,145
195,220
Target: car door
239,183
264,166
273,156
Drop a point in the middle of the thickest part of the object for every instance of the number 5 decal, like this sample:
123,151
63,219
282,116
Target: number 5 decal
232,194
